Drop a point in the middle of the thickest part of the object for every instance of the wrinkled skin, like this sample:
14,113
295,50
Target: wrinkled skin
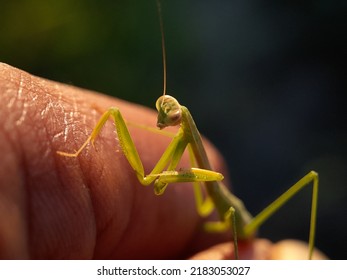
92,207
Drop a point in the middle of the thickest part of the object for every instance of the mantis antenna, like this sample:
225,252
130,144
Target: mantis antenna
162,46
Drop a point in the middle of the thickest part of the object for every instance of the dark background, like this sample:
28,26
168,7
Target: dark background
264,81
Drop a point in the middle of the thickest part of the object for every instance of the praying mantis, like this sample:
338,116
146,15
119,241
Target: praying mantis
232,213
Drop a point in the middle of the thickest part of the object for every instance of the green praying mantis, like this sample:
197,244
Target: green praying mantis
231,211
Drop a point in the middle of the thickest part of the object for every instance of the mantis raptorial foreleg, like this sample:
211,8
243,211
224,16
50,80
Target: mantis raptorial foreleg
169,159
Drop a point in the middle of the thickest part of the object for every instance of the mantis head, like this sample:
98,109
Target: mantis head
169,111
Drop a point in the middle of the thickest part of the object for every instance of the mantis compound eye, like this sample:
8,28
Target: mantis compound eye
169,111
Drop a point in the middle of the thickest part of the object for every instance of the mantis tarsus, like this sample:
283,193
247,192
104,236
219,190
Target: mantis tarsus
231,210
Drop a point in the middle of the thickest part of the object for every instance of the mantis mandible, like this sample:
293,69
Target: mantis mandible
231,210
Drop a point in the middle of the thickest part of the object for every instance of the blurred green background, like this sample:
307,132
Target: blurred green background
264,80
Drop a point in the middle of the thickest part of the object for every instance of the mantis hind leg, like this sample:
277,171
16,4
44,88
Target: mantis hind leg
258,220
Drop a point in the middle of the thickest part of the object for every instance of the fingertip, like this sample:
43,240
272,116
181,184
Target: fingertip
294,250
256,250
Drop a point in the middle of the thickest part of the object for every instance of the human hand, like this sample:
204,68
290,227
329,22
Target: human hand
92,206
